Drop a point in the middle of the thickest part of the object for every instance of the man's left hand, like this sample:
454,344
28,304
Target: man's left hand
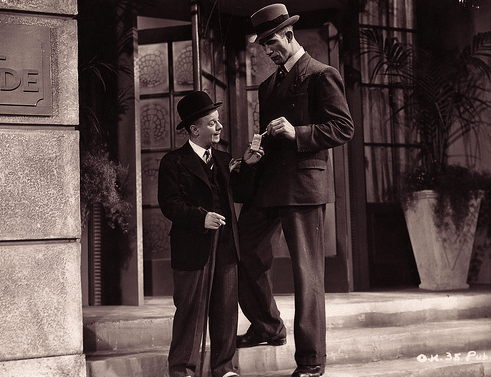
281,126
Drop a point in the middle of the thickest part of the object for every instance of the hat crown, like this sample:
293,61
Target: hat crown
193,106
270,19
268,13
193,103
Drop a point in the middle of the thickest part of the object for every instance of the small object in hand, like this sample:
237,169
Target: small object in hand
256,141
234,162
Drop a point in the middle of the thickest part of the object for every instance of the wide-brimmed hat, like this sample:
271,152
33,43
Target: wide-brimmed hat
268,20
193,106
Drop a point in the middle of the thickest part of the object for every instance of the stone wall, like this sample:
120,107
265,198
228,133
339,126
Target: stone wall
40,283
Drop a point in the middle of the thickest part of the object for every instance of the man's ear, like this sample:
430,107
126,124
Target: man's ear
194,130
289,35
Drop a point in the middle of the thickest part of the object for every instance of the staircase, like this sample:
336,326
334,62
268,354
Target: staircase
385,334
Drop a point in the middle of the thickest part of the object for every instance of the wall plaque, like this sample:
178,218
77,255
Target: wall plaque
25,81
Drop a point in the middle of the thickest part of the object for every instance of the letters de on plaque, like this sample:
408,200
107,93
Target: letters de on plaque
25,81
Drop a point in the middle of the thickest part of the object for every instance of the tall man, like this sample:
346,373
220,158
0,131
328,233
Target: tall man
304,112
194,193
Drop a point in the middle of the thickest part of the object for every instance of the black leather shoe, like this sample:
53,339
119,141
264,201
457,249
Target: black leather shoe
253,340
308,371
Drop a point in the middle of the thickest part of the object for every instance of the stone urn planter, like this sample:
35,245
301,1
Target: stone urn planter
442,255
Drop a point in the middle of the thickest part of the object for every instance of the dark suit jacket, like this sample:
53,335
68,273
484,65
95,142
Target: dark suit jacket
185,196
312,98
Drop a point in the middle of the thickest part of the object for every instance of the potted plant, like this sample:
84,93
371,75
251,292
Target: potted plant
441,98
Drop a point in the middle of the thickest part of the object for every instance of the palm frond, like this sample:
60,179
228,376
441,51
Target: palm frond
444,94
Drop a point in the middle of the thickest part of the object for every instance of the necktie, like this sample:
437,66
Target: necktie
207,157
280,75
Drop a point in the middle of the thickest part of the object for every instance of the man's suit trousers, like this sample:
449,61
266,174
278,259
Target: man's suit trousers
303,227
190,296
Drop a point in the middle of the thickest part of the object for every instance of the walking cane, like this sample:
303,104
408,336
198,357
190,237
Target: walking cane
211,273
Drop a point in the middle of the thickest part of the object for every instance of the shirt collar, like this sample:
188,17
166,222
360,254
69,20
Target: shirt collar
200,151
291,62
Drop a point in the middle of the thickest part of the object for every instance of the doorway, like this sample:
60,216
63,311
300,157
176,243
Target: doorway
165,76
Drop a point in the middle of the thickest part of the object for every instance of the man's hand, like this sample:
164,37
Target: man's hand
234,164
281,126
214,220
252,157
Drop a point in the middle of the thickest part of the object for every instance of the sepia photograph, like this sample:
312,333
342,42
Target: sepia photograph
230,188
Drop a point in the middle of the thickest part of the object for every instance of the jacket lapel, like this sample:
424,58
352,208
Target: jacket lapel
192,163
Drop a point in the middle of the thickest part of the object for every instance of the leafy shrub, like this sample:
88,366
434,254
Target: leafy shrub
101,181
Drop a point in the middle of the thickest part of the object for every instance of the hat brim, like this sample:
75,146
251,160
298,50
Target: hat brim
261,36
190,119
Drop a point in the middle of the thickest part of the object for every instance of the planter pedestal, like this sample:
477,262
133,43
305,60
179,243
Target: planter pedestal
442,256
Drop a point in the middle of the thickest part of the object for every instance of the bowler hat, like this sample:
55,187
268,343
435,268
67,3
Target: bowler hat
268,20
193,106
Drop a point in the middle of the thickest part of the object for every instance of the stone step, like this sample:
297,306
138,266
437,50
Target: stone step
154,364
364,345
120,328
135,363
403,368
344,347
125,334
364,330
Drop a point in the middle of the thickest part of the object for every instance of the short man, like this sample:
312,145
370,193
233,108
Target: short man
194,193
304,112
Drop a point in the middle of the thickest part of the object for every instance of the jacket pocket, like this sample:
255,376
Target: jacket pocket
312,164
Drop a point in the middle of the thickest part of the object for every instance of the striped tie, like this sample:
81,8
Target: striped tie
208,160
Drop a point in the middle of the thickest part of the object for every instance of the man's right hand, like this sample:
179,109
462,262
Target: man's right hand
281,126
214,220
